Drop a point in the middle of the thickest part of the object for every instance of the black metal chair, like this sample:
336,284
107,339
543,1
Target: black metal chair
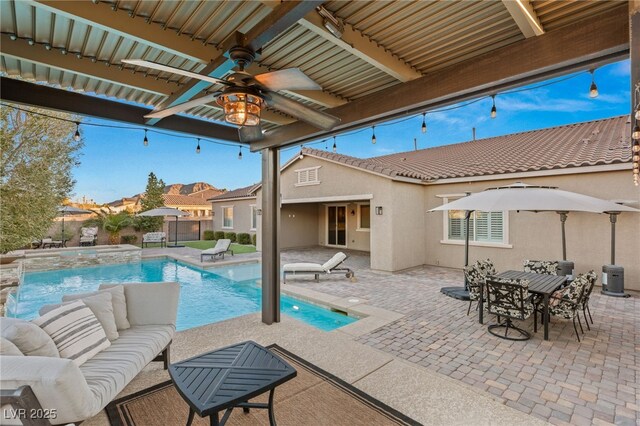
592,277
509,299
567,302
476,275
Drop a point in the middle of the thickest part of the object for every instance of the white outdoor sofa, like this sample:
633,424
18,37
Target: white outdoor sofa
315,269
221,247
77,392
154,237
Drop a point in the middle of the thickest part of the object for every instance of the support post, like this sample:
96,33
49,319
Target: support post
563,219
613,217
270,235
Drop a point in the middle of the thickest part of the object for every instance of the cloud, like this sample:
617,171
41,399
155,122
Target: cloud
620,69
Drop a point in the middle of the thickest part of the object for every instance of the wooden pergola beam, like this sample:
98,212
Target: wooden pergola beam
525,16
22,92
593,41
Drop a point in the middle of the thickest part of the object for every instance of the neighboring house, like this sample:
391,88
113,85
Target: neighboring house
130,204
235,211
380,204
207,193
197,206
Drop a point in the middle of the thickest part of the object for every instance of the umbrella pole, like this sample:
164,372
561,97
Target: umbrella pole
175,243
461,293
563,219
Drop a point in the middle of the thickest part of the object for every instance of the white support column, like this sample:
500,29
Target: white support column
270,235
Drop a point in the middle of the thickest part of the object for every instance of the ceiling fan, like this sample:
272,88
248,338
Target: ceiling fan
245,95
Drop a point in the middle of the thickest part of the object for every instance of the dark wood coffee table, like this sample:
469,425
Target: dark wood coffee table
227,378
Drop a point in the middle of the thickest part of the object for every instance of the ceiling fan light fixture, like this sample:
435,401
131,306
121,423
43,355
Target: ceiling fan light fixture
241,107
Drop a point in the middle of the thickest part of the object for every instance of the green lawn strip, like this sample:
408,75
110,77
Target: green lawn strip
205,244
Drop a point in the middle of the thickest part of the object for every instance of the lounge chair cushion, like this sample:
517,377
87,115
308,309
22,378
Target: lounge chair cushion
111,370
8,348
30,339
117,299
101,306
303,267
336,260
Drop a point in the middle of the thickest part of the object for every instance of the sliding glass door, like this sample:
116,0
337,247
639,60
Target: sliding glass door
337,226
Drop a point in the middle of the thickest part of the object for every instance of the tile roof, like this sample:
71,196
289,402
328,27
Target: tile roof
183,200
246,192
207,193
598,142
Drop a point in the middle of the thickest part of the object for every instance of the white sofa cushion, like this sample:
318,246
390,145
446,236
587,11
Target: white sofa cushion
118,300
8,348
30,339
303,267
101,306
111,370
75,330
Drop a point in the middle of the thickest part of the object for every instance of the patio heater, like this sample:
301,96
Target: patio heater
565,267
613,275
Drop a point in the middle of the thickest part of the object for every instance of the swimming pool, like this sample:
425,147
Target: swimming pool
205,296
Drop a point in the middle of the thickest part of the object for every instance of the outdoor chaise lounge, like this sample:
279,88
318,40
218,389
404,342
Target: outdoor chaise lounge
139,321
332,265
222,247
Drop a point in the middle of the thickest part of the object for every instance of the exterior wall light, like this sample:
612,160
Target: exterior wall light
379,210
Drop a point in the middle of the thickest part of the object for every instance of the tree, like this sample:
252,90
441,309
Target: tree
151,199
37,154
112,223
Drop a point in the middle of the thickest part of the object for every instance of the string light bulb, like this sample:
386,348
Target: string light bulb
300,156
76,135
593,89
424,122
373,135
145,141
637,116
240,153
494,110
636,132
335,147
636,147
198,147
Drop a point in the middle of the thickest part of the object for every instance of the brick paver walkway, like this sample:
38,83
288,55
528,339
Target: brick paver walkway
596,381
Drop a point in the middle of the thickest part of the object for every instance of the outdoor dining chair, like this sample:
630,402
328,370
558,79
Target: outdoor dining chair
509,299
593,277
476,275
549,267
567,302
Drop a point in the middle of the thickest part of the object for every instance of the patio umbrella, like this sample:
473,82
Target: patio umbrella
167,211
65,210
520,196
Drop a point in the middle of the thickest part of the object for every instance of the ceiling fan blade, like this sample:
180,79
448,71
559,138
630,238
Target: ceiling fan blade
174,70
287,79
162,113
302,112
250,133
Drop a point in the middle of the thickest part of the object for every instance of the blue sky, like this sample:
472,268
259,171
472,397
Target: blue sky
115,163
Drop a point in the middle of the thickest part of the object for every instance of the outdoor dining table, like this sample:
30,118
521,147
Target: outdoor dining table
541,284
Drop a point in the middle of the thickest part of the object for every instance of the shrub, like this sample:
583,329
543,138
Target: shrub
128,239
209,235
218,235
254,239
230,236
244,238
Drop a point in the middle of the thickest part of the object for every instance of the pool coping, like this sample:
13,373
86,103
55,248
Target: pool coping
370,317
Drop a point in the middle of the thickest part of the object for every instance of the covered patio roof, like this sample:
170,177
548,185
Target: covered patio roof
381,60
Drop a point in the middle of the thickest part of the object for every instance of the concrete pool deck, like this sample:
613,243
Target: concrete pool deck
429,398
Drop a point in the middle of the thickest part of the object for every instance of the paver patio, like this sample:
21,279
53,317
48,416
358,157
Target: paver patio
593,382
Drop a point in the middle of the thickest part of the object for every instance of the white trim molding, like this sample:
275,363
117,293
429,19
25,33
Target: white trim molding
478,244
331,199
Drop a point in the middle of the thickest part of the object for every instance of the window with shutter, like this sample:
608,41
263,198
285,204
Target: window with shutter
486,227
309,176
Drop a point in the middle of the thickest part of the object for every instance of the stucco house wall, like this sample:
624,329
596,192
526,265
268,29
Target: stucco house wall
537,235
241,215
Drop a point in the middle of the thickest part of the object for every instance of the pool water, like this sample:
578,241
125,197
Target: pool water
206,296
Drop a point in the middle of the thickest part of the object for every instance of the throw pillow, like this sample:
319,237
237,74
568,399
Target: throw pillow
117,299
8,348
30,339
101,306
75,330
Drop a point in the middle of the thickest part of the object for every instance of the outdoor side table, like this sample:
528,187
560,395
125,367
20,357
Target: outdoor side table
540,284
229,377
